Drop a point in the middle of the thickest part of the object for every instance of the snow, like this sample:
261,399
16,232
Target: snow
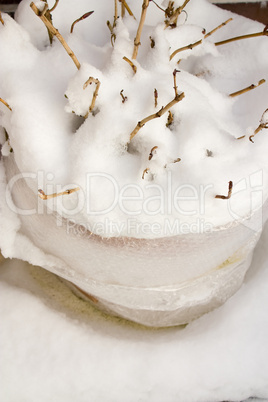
62,134
48,133
54,346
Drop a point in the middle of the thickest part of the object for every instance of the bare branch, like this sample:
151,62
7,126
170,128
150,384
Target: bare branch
175,81
138,35
55,5
55,32
175,15
126,6
44,196
226,197
253,35
115,11
192,45
249,88
134,68
144,172
84,16
5,103
169,119
124,98
160,8
152,152
218,27
155,97
263,124
160,113
95,94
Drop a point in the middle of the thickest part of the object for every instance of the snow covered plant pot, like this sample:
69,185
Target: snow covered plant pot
136,168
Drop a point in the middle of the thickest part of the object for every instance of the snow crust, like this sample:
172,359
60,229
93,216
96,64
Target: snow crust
115,177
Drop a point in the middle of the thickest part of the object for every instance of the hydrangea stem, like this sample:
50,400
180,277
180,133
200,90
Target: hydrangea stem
226,197
139,31
192,45
249,88
55,32
5,103
253,35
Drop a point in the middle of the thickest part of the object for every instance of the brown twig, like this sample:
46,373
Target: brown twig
1,19
160,8
175,81
134,68
44,196
5,103
170,119
152,152
174,15
155,97
55,5
115,11
192,45
113,35
263,124
145,171
226,197
84,16
124,98
218,27
254,35
160,113
95,94
138,35
152,42
55,32
126,6
249,88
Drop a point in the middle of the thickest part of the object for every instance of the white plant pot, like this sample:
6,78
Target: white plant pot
156,282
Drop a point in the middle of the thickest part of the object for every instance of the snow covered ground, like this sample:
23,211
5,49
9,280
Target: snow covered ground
56,347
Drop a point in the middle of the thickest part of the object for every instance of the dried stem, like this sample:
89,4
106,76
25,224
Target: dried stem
44,196
84,16
175,15
152,152
5,103
145,171
126,6
1,19
115,11
95,94
55,5
123,8
218,27
249,88
175,81
254,35
192,45
134,68
170,119
226,197
55,32
138,35
124,98
263,124
160,113
160,8
155,97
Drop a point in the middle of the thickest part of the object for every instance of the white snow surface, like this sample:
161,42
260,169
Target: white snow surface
56,347
94,153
